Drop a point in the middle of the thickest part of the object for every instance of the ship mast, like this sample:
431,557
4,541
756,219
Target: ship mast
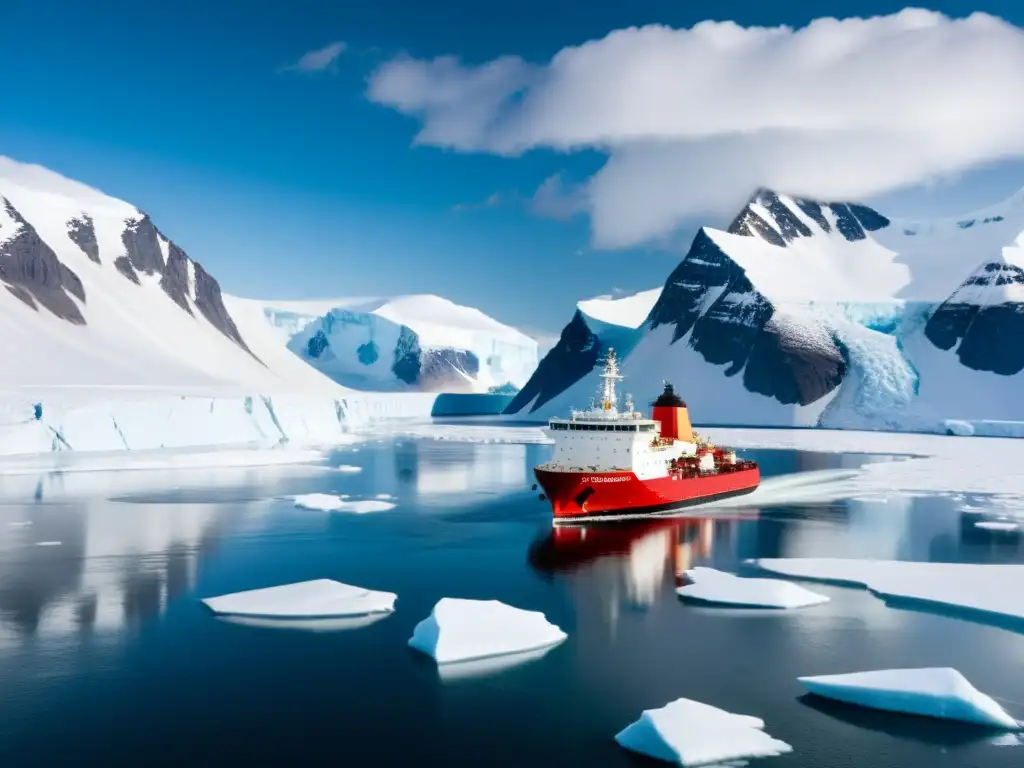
609,377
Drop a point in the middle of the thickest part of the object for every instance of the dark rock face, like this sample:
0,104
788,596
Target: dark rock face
987,337
142,246
143,255
573,357
853,221
174,280
709,296
124,266
82,232
788,225
406,366
368,353
210,302
31,271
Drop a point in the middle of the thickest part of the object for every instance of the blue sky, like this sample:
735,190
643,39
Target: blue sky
290,184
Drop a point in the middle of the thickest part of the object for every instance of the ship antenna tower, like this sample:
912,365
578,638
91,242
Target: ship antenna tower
610,376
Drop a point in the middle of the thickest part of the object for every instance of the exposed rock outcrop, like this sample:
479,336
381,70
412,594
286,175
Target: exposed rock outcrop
31,271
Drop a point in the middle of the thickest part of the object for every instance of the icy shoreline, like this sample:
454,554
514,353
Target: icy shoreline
165,421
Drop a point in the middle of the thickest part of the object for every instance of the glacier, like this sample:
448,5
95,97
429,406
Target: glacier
818,314
421,342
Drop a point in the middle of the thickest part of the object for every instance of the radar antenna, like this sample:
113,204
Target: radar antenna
609,377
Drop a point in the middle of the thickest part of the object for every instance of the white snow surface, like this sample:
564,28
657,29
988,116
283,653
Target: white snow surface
460,630
626,311
984,589
317,599
720,588
932,692
938,463
690,733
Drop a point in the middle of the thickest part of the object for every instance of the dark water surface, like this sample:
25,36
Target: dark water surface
108,658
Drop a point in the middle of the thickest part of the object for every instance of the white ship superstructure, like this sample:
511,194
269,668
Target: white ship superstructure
604,439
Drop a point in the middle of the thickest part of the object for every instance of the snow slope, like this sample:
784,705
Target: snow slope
419,342
824,314
598,324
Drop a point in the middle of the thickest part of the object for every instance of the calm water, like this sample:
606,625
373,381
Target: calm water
107,658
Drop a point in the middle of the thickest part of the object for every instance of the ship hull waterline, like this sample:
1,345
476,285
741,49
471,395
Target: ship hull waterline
589,496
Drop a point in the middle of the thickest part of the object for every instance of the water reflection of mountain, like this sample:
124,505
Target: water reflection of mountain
103,566
453,472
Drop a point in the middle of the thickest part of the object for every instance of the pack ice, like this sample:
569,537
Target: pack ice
316,599
690,733
719,588
933,692
981,589
460,630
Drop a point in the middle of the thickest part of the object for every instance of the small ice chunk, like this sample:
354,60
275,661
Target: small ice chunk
464,630
321,502
327,502
48,543
349,468
997,525
933,692
690,733
316,599
20,523
384,496
713,586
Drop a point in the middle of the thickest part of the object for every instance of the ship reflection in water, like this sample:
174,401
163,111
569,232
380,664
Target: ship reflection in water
640,558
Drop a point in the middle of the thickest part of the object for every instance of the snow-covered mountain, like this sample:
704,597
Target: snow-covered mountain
97,296
830,314
421,342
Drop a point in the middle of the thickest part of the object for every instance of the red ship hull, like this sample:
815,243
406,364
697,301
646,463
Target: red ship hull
579,496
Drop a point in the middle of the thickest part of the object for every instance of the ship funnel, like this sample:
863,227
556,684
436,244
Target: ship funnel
671,411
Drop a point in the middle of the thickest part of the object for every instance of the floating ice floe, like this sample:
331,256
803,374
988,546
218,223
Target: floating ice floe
384,496
48,543
719,588
327,502
982,589
932,692
349,469
690,733
459,630
997,525
322,502
316,599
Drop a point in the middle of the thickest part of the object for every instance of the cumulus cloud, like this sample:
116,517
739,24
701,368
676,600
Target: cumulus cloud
692,120
320,59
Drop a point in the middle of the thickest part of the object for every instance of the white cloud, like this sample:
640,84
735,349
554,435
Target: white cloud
692,120
320,59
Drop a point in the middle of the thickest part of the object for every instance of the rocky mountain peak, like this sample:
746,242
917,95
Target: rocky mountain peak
31,271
